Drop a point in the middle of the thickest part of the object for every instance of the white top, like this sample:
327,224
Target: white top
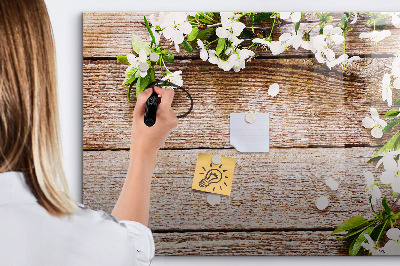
29,235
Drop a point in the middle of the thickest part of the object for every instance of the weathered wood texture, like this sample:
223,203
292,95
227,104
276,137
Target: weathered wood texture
108,35
308,243
271,210
315,107
277,190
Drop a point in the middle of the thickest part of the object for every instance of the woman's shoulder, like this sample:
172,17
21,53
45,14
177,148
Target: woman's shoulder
138,236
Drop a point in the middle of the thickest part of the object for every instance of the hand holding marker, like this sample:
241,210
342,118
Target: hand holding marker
152,103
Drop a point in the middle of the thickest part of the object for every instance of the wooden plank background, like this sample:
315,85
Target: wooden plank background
315,134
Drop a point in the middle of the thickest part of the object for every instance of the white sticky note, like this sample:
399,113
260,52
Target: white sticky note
249,137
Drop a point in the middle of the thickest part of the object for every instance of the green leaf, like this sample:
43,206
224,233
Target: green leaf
350,224
128,95
212,37
141,84
151,74
296,28
392,144
193,34
397,101
356,230
187,46
356,245
320,15
262,16
389,126
379,230
392,113
122,59
209,14
205,33
130,75
246,34
169,58
138,44
386,206
395,194
344,20
220,45
153,40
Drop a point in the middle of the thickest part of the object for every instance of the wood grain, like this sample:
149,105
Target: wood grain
315,107
107,34
306,243
275,191
315,134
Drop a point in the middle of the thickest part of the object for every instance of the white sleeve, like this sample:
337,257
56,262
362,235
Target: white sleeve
142,240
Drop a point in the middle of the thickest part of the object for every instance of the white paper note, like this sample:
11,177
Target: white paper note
249,137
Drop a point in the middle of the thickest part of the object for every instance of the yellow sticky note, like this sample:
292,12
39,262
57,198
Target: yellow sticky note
213,178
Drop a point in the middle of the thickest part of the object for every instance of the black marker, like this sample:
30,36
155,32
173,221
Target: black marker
151,109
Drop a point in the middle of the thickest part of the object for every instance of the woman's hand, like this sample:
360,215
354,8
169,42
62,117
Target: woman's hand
151,139
134,201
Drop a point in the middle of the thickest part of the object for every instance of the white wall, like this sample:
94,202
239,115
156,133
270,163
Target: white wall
66,17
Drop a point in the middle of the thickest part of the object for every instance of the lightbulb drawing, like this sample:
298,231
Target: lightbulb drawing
213,176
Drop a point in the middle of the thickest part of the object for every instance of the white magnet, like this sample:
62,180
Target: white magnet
216,159
213,199
250,118
154,57
143,67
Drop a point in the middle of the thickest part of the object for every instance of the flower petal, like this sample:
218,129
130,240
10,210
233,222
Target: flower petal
273,89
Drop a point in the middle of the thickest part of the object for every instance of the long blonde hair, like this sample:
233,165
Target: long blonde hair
29,122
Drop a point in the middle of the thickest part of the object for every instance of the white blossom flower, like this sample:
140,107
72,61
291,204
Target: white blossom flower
322,46
214,59
395,19
355,18
393,234
276,47
239,58
174,78
370,246
343,60
396,66
236,59
375,36
285,40
391,175
375,123
173,26
153,22
386,90
297,40
135,62
392,247
203,51
292,16
273,89
332,184
371,187
231,27
261,41
322,203
387,156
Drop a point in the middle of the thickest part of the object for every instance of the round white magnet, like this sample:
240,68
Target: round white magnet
250,118
143,67
154,57
216,159
213,199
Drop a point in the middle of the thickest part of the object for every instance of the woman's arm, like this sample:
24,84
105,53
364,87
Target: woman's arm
134,201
